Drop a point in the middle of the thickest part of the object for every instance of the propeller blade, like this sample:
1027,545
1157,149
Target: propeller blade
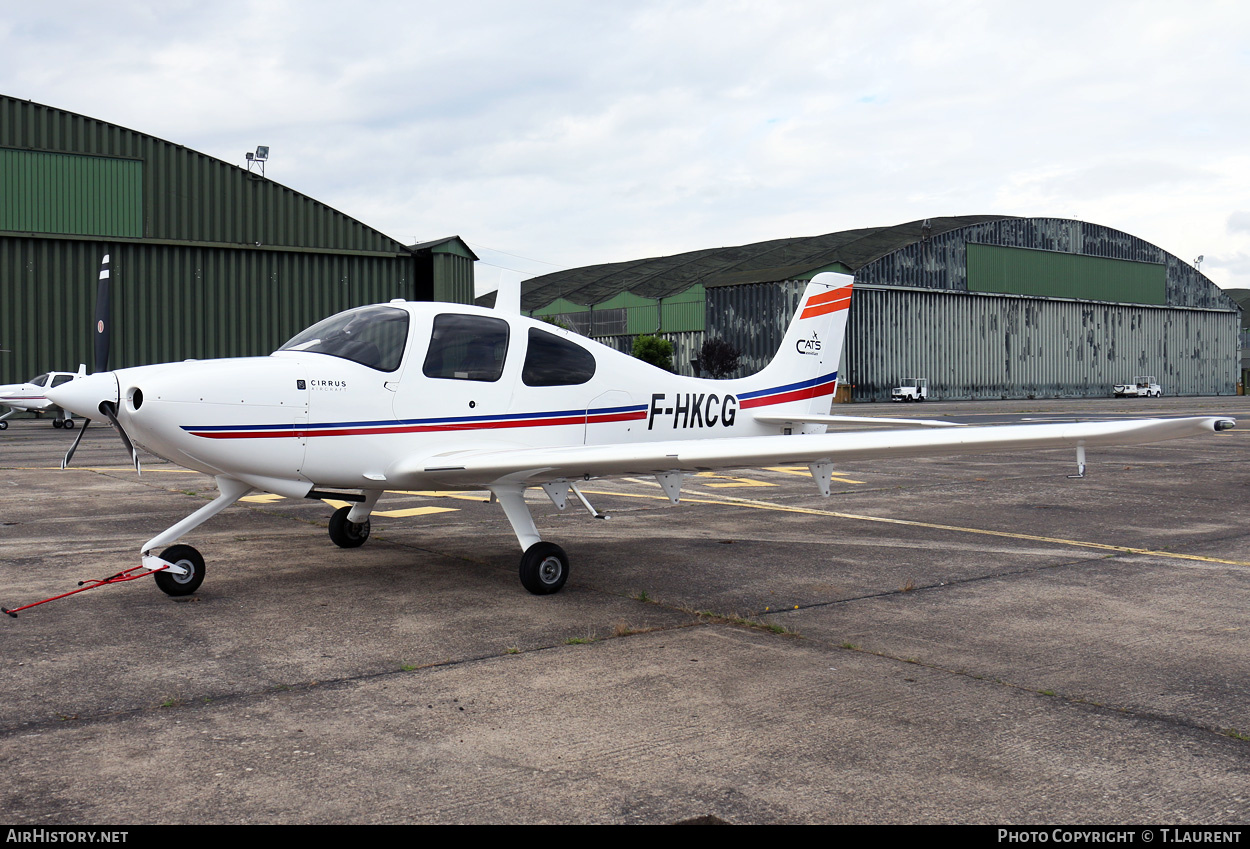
110,409
103,318
69,455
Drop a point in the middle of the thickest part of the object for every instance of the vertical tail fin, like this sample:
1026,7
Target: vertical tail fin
508,295
803,376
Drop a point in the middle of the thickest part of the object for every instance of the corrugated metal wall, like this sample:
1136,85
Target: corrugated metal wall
208,260
1051,274
753,318
686,346
188,196
986,346
941,262
681,313
453,278
67,193
172,302
912,315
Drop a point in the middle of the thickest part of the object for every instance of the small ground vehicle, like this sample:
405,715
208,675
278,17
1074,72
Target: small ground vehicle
1143,386
913,389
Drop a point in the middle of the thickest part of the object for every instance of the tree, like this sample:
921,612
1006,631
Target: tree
718,358
658,352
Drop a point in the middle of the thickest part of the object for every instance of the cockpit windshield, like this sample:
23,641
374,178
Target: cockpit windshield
40,380
371,336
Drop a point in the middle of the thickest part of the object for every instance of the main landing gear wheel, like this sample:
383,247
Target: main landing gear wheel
186,583
57,423
4,425
69,424
347,534
544,568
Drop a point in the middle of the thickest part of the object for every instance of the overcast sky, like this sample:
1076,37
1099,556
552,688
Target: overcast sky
553,134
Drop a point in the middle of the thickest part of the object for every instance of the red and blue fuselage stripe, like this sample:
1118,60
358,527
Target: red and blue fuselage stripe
813,388
506,420
804,389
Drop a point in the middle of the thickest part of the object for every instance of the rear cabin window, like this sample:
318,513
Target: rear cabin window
551,360
467,347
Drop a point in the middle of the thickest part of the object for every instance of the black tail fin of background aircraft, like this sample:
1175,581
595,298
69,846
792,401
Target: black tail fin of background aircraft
103,318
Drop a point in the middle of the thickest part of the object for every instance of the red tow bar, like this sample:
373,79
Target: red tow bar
91,584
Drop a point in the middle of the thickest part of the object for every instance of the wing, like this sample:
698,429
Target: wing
533,466
812,418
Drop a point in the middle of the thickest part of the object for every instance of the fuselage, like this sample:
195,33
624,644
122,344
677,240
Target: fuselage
32,395
344,402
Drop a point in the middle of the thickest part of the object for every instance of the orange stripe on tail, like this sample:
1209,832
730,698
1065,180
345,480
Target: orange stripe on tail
823,304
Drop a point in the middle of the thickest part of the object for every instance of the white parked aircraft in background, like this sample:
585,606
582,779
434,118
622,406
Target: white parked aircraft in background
32,396
437,396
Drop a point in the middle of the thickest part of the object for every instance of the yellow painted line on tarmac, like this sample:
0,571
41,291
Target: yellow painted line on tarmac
767,505
804,472
415,511
401,513
462,494
263,498
708,477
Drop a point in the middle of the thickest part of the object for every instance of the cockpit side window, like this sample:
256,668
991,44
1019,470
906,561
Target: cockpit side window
373,337
553,361
61,378
467,347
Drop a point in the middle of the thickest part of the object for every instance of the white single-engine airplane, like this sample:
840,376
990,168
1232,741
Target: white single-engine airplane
437,396
33,396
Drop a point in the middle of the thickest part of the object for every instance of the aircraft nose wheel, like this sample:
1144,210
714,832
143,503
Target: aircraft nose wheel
347,534
186,583
544,568
4,425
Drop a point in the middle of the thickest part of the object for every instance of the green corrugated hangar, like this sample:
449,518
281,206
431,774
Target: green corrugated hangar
984,306
208,259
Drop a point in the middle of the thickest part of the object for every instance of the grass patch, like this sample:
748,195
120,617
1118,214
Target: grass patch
745,622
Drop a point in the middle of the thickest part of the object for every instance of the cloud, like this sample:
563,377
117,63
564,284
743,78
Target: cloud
578,133
1239,222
